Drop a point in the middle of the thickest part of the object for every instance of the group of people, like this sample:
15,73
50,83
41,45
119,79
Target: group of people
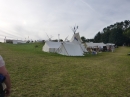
5,83
110,48
93,50
97,49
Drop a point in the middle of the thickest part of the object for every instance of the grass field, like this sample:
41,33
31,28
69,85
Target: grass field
38,74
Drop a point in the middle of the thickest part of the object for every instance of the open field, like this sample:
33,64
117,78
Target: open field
38,74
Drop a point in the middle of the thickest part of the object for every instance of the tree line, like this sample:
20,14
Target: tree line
118,33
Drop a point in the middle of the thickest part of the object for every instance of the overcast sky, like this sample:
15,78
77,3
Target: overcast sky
35,19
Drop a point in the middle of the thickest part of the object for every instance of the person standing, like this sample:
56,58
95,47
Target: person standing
5,73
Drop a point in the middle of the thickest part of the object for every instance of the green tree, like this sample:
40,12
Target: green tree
83,39
118,33
127,32
98,38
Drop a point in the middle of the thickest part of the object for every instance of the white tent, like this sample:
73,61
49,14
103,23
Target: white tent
101,44
51,46
70,49
77,40
93,45
110,46
15,41
76,36
18,41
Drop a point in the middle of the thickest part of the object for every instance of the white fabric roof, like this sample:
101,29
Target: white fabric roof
110,44
50,46
91,44
53,44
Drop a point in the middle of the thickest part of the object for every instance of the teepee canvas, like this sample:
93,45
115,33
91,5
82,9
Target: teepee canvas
70,49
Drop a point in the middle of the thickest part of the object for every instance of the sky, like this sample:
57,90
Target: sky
43,19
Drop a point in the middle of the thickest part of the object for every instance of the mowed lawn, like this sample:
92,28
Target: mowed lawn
38,74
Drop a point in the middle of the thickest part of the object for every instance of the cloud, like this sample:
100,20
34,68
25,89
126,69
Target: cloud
35,18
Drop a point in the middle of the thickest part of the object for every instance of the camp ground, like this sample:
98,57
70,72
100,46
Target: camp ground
64,48
75,47
99,46
72,48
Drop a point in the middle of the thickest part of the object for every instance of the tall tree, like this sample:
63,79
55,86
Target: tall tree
97,38
118,33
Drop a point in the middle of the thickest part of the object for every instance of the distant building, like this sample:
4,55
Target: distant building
14,41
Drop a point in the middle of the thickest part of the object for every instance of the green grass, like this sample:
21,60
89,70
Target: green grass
38,74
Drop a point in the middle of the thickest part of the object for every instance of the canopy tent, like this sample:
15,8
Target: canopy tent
70,49
51,46
93,45
110,46
101,44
